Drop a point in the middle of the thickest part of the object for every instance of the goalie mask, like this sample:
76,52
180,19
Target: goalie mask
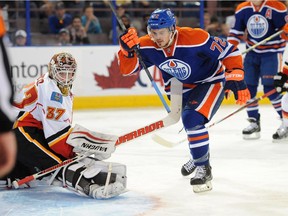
62,68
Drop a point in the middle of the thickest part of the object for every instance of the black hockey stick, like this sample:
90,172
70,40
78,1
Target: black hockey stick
136,49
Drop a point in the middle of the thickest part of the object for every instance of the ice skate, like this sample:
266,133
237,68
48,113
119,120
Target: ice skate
281,134
201,182
188,168
253,130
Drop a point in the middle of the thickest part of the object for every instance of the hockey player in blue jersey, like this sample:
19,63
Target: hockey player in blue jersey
206,65
260,19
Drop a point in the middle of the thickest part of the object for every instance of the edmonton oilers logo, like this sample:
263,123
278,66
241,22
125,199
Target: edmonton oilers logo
176,68
257,26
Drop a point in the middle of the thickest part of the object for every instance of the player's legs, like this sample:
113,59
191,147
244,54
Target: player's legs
252,75
200,106
270,66
281,135
33,154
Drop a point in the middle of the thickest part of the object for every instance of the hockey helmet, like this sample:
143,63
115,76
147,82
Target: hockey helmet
62,68
162,18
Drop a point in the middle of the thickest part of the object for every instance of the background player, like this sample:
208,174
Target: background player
195,59
261,19
281,85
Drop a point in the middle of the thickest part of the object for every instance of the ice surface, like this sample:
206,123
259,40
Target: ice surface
250,177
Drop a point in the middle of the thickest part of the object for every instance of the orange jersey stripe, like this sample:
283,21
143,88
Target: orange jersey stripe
60,146
205,136
206,107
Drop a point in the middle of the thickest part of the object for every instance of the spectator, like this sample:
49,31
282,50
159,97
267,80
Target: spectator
64,37
60,19
127,23
20,38
78,32
46,10
143,30
120,10
89,21
214,27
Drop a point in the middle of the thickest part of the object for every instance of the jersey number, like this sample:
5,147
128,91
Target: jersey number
218,43
54,113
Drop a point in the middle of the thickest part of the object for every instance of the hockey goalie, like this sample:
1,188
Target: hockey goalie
45,137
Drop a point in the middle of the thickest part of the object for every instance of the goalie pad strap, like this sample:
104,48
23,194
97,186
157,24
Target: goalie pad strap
76,175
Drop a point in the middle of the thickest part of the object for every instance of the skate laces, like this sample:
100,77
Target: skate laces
189,165
200,172
253,125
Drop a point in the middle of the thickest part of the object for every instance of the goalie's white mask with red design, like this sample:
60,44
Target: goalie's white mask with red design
62,68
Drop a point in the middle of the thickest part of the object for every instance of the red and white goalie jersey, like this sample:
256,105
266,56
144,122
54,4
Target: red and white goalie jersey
42,105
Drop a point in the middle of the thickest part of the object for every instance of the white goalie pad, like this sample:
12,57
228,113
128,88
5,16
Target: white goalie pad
84,140
97,179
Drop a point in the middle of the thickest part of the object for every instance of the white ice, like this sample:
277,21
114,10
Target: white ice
250,177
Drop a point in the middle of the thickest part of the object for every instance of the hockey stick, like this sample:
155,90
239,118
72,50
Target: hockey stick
170,144
262,42
172,118
136,49
35,176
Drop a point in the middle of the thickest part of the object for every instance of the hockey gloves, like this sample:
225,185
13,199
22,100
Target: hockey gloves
235,82
279,82
128,41
284,34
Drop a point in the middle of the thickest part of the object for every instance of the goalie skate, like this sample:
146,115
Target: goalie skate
253,129
201,182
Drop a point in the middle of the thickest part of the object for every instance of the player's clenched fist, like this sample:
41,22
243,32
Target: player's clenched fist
128,41
235,82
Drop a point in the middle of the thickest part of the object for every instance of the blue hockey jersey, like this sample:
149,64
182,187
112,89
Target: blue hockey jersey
193,58
259,23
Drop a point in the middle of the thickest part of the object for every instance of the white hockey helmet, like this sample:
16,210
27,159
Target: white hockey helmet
62,68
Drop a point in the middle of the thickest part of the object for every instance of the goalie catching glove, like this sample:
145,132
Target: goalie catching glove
84,141
235,82
128,41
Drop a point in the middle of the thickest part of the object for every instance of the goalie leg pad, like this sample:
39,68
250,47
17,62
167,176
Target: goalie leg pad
90,177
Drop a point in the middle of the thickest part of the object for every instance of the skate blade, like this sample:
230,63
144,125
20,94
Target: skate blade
283,140
203,187
252,136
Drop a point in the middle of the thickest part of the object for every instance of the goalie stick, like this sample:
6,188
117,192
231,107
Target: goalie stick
162,141
172,118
